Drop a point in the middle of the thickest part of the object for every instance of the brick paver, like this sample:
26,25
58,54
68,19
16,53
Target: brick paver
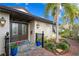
36,52
74,50
40,52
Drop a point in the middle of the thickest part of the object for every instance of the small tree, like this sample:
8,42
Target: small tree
70,10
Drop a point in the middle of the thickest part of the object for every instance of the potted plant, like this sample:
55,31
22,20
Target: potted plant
14,49
38,42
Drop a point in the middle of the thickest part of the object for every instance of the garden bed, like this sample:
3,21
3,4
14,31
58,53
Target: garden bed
57,48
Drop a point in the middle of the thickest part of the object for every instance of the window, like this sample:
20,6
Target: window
19,31
14,29
24,29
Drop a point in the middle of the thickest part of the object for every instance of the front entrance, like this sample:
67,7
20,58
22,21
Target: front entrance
19,31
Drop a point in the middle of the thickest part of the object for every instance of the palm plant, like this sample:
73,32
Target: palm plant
70,10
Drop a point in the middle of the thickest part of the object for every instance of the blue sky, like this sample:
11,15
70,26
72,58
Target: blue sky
35,8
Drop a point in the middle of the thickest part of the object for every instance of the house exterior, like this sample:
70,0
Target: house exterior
22,25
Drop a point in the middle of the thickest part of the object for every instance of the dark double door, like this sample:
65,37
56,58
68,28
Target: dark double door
19,31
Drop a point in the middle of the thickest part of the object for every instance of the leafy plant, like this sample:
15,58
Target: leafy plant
71,11
13,45
49,45
66,33
76,31
65,41
40,40
64,46
52,46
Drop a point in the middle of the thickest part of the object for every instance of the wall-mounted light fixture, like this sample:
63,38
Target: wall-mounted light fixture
2,21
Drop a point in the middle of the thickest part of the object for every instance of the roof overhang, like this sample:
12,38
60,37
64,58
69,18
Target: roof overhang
26,16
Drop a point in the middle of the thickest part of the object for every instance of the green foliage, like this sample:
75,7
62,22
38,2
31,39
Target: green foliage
76,31
65,41
65,33
13,45
40,40
51,46
64,46
70,10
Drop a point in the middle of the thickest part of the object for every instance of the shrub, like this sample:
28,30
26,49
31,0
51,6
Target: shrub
52,46
65,41
66,33
49,45
63,45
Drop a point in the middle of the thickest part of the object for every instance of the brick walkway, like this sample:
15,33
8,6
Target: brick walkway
74,51
40,52
36,52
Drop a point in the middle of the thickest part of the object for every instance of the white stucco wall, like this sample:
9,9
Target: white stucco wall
31,27
46,27
3,30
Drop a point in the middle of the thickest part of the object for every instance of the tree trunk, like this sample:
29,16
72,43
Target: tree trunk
57,32
57,28
57,25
